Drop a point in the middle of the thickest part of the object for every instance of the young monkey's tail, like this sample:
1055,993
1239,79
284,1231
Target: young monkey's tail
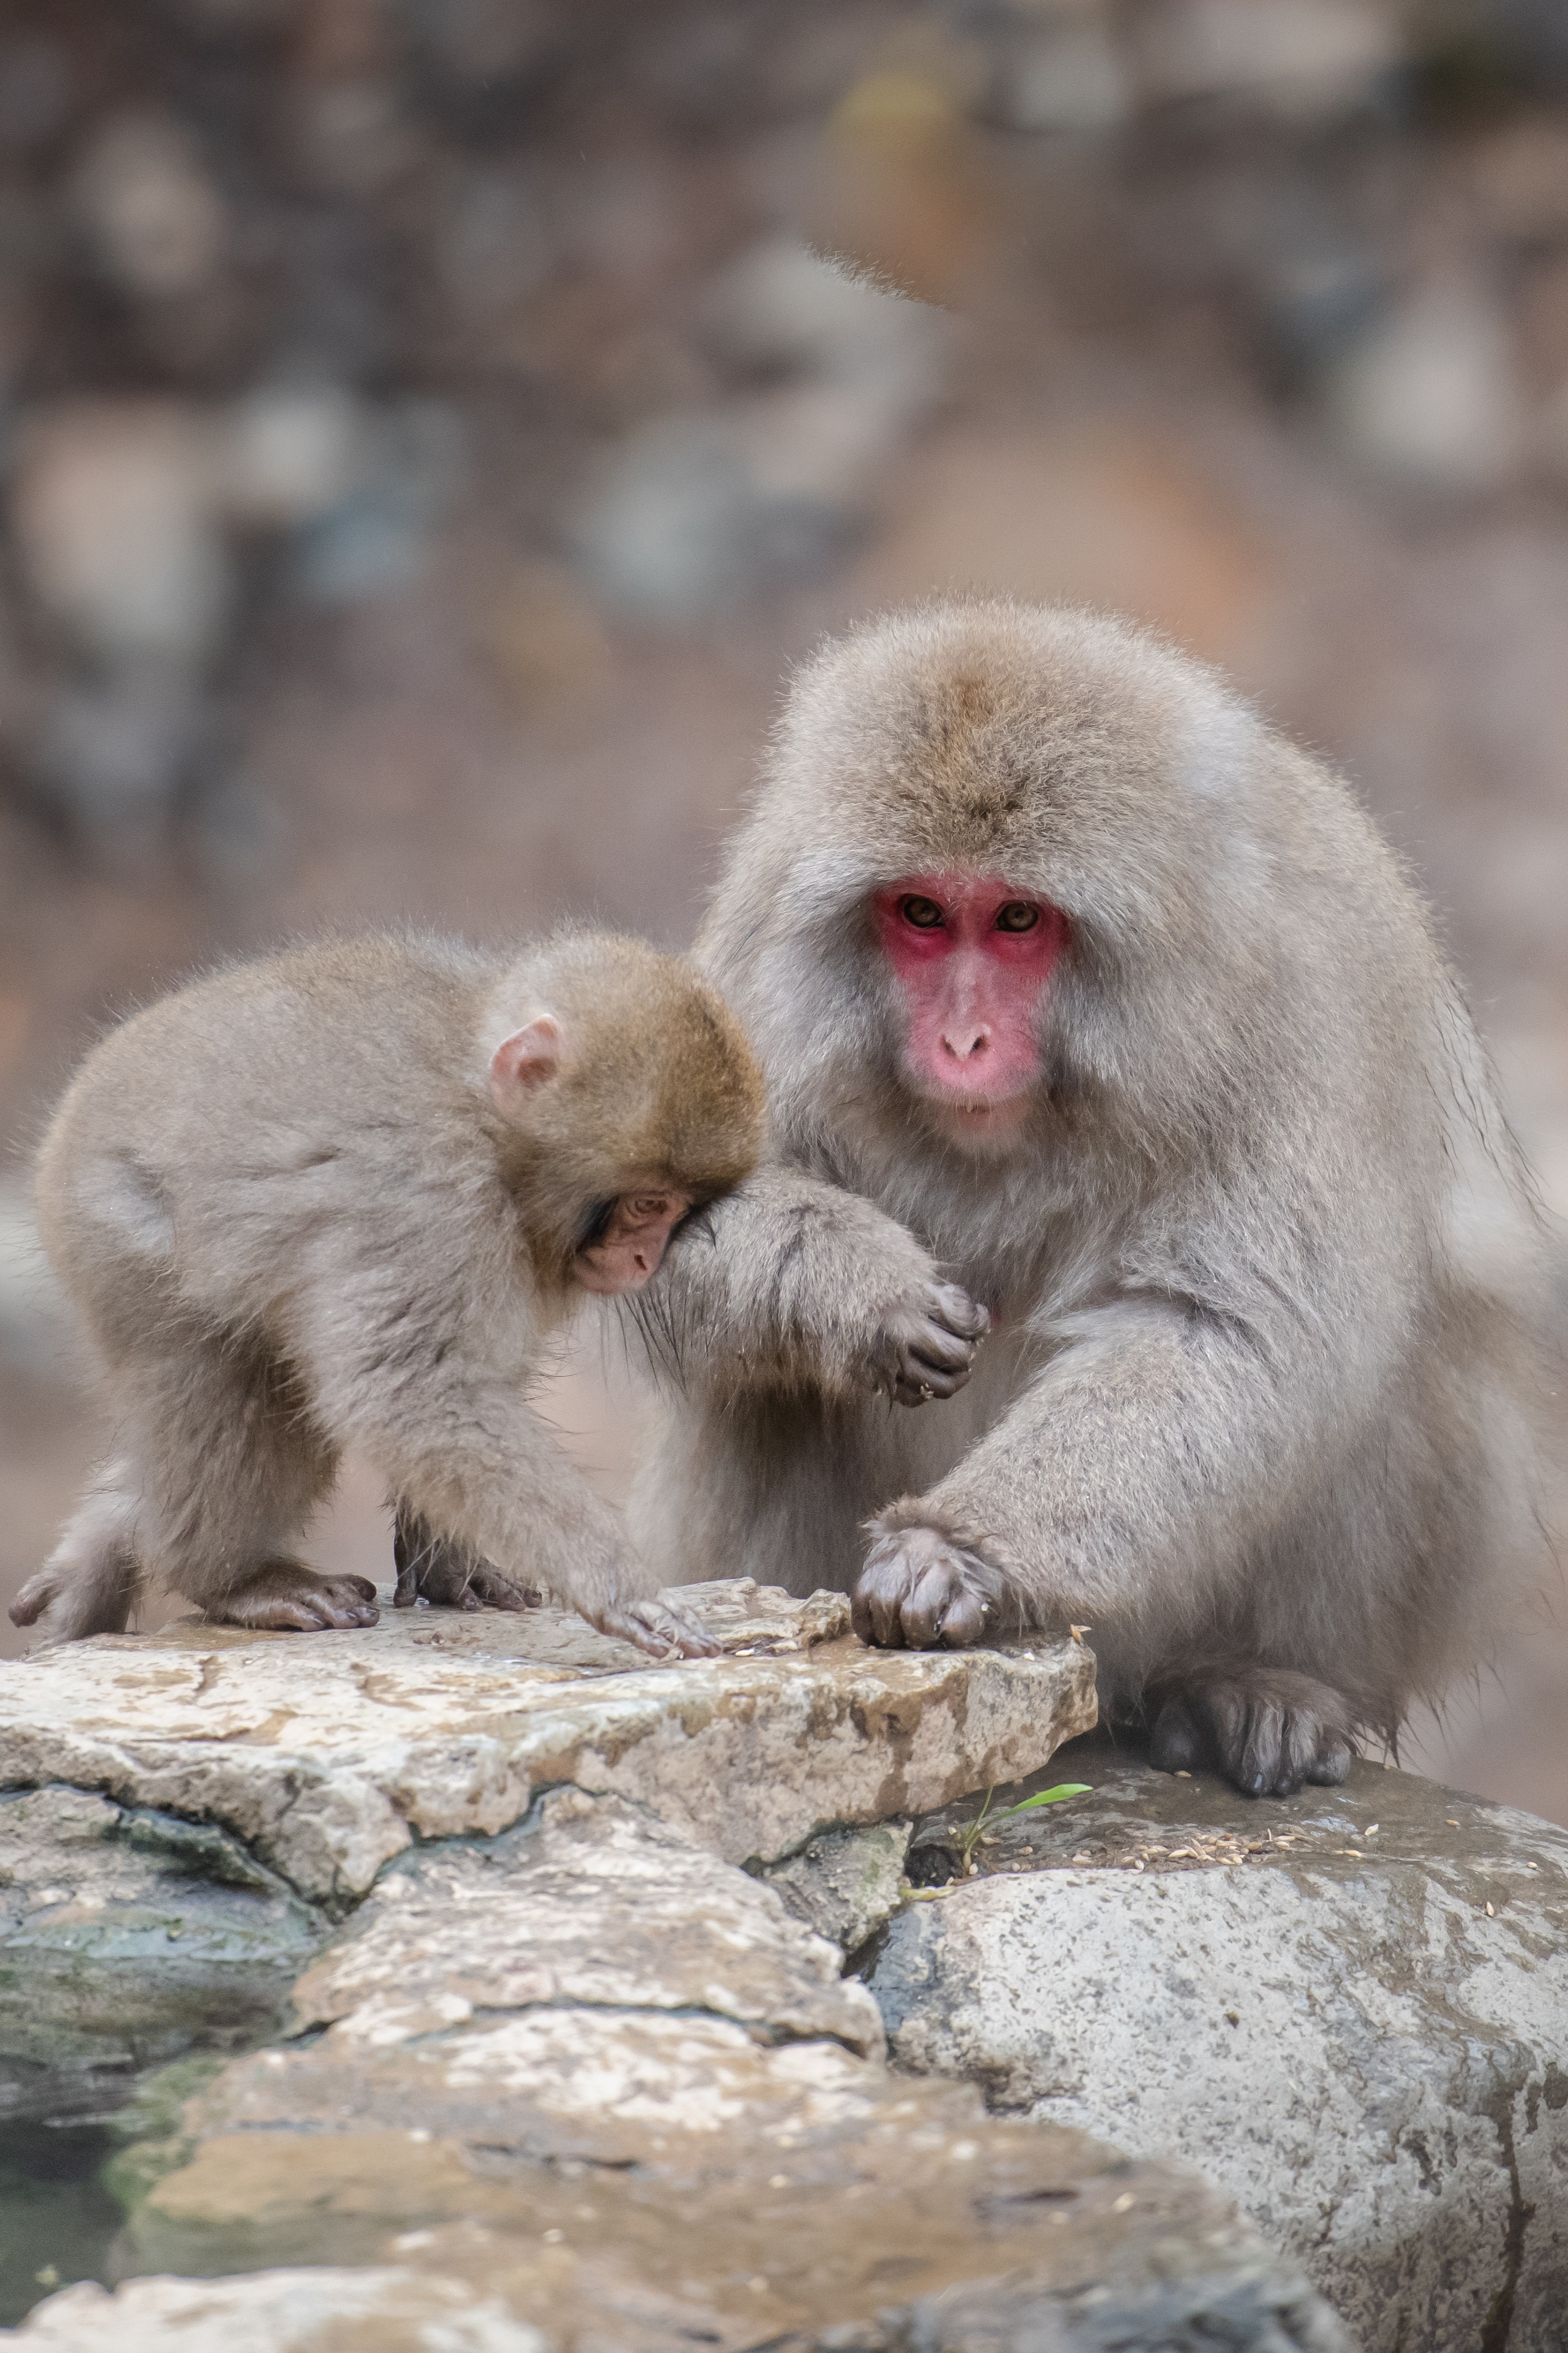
89,1583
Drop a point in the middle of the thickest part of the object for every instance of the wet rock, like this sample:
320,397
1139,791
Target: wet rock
846,1884
588,2079
1347,2008
157,225
112,510
127,1938
327,1760
646,2179
1430,398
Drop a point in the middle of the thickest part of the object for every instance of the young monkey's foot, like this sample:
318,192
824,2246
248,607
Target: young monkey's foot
434,1569
658,1626
920,1589
285,1597
68,1603
1266,1730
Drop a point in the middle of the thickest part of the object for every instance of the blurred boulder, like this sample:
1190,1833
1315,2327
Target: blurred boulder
1063,75
157,225
1319,281
1296,61
114,753
494,251
238,834
352,134
698,509
1431,397
375,539
784,310
1519,177
1530,34
482,60
117,539
544,636
36,91
289,453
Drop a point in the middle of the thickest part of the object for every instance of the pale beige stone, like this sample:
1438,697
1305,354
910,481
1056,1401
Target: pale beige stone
328,1752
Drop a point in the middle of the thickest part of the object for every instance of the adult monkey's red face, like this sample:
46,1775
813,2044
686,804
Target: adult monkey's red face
972,955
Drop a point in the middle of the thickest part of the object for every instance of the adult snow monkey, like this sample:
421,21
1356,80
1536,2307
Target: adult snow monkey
1097,1016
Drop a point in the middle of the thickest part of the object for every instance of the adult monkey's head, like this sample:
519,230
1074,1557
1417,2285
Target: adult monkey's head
997,875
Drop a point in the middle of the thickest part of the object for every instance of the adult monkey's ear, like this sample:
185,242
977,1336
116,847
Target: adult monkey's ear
527,1059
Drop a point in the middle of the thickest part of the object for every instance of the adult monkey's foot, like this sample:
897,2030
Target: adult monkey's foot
921,1591
1266,1730
433,1569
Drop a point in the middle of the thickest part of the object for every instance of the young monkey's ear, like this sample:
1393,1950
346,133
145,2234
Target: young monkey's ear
525,1060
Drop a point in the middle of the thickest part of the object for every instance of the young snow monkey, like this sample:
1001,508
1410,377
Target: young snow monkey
343,1197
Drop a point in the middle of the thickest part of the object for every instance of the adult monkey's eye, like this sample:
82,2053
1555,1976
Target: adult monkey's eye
1018,915
923,914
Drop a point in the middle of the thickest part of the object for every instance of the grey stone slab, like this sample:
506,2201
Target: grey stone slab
596,1904
1350,2010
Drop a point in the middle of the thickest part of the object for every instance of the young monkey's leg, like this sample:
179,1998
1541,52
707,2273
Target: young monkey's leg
91,1581
232,1466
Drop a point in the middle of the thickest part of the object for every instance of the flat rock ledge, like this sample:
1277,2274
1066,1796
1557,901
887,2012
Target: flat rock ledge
1350,2010
542,2069
326,1754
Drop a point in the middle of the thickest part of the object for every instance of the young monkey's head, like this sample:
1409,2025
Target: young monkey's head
627,1099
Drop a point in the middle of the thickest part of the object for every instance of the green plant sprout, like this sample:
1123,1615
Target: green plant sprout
985,1819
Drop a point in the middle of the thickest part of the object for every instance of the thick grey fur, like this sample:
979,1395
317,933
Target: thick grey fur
1262,1403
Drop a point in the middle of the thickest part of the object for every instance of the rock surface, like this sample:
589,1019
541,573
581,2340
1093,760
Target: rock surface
284,2312
1350,2009
597,1905
577,2079
846,1884
665,2140
126,1937
433,1724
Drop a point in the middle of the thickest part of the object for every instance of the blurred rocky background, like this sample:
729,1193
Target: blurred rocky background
430,428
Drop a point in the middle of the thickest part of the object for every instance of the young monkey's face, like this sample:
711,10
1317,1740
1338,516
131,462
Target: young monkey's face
628,1241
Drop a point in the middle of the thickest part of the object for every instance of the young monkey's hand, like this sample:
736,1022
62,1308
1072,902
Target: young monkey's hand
925,1347
658,1626
919,1591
